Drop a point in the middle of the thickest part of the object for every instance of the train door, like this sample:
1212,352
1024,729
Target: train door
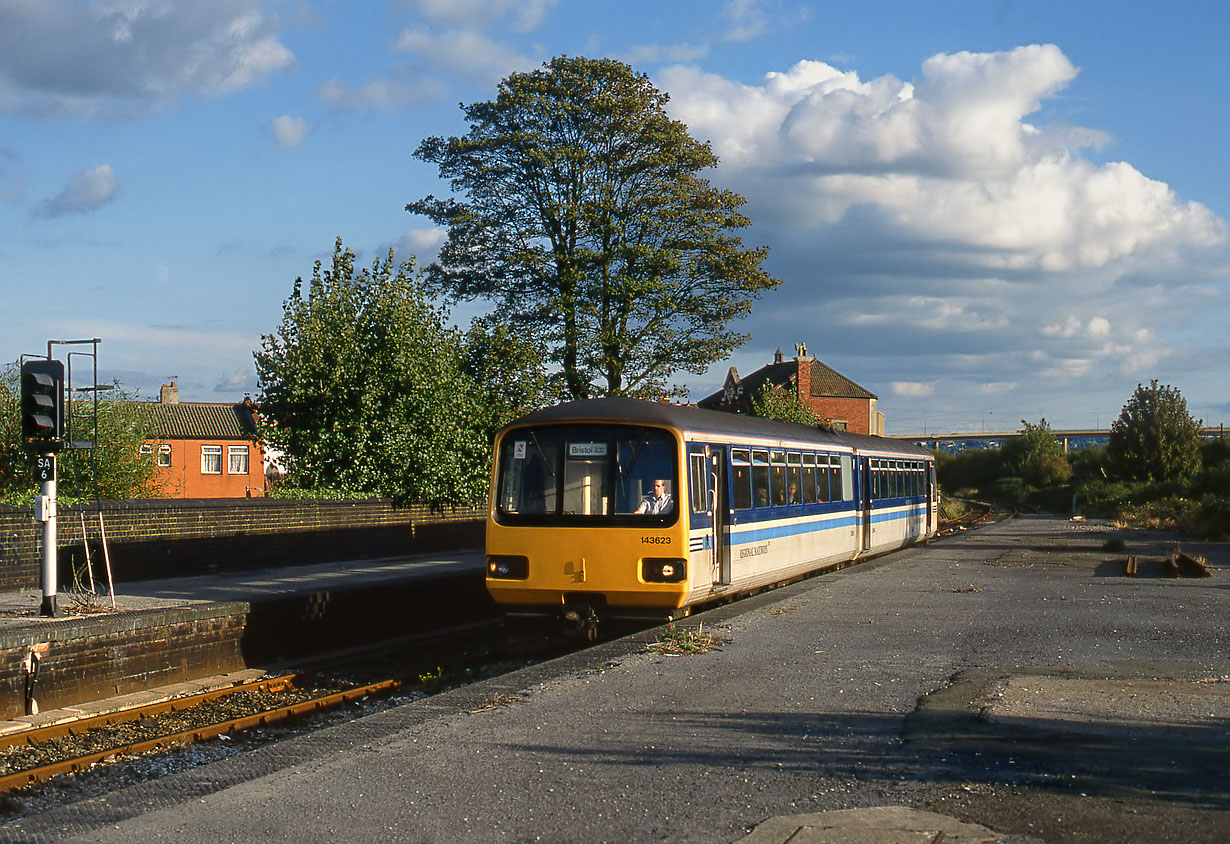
929,491
864,497
719,507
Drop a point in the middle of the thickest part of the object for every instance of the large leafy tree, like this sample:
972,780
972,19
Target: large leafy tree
583,219
363,388
509,373
1155,438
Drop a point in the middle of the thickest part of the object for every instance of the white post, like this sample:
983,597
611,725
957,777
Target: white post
45,512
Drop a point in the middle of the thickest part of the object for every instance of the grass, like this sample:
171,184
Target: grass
681,641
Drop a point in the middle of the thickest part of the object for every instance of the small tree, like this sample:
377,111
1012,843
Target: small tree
1036,455
1155,438
364,391
782,403
584,220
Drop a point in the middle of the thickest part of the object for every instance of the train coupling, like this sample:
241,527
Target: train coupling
581,620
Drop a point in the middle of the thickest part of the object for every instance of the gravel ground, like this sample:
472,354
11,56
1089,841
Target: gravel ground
906,681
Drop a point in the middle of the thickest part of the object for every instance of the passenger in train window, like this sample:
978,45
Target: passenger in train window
657,502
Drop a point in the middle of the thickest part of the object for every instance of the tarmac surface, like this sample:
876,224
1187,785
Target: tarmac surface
1008,685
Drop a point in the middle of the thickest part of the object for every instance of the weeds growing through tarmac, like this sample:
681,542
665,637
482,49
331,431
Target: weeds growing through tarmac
679,641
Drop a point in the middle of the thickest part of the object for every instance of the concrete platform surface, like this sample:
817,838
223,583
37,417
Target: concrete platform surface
22,607
983,688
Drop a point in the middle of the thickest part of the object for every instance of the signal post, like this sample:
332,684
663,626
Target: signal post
42,431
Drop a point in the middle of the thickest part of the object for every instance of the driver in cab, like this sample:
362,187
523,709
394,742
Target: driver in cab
658,502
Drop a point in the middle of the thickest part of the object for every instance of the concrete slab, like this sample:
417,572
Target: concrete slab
879,825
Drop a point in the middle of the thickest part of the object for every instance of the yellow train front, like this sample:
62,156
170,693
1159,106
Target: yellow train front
575,528
629,509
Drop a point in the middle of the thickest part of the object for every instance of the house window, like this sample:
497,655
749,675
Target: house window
237,460
164,455
146,450
211,460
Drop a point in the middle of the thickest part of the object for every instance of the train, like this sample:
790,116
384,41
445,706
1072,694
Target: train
621,508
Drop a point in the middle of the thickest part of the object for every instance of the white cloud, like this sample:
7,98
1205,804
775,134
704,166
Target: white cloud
403,87
912,389
86,191
289,131
464,52
61,55
939,223
423,244
746,19
519,15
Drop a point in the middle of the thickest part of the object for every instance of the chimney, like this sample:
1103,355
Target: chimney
169,394
803,379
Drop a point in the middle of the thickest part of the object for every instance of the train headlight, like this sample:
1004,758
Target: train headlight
664,570
508,567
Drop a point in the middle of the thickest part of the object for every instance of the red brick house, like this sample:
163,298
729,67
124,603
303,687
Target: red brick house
204,449
832,396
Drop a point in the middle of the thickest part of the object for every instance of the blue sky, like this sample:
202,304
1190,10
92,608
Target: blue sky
981,211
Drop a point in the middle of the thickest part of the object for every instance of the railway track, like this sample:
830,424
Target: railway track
106,728
976,513
413,666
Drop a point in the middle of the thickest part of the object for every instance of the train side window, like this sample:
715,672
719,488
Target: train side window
777,462
823,472
794,478
809,478
741,478
894,480
843,478
700,483
760,478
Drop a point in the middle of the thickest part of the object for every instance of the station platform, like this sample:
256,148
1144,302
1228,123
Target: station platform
159,633
1009,685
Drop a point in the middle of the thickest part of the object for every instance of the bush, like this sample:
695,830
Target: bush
971,469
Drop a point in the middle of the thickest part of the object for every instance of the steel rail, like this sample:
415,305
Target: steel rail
42,773
77,726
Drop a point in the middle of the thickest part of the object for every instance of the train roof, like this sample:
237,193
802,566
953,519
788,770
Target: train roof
692,418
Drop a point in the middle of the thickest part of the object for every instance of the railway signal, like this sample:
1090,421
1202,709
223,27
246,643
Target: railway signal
42,405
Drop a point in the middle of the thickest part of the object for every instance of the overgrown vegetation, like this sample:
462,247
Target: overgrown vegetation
366,389
1156,471
122,470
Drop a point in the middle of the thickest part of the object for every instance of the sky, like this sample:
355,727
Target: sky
983,212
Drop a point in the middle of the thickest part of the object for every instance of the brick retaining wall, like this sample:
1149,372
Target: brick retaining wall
180,537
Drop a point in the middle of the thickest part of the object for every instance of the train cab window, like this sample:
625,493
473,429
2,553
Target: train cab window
760,478
809,478
741,478
777,463
794,478
584,472
700,483
587,489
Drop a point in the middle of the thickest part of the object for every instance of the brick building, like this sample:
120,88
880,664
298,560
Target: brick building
204,449
832,396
